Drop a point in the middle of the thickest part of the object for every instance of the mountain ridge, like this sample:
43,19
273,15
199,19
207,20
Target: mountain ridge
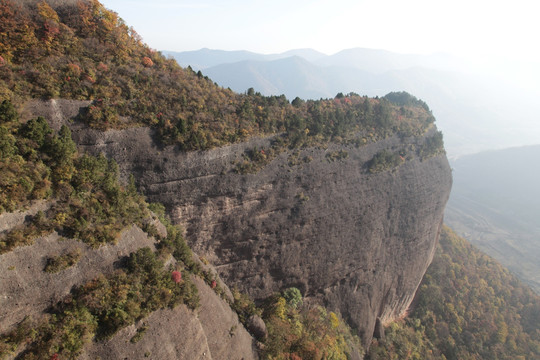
204,58
267,189
472,110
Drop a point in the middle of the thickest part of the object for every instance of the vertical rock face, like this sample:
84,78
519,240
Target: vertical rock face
360,243
355,241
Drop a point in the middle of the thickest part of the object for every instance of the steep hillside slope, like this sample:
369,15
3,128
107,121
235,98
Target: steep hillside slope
77,271
30,294
467,307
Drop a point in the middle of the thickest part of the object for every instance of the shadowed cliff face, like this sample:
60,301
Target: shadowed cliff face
357,242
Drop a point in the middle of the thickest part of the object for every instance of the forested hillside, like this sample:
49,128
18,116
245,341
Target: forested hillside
467,307
83,51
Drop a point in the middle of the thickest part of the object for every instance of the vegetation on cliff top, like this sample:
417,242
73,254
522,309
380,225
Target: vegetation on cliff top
467,307
84,51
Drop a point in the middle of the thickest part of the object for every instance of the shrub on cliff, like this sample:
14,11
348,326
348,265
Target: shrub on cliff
432,146
384,160
62,262
293,297
38,163
304,332
177,276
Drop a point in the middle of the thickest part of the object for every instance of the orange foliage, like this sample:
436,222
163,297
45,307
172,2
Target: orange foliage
146,61
74,70
102,67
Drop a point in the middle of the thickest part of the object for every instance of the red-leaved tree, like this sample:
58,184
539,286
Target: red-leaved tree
176,276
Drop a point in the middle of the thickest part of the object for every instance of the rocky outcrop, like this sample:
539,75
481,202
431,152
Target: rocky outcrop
213,332
354,241
257,327
27,290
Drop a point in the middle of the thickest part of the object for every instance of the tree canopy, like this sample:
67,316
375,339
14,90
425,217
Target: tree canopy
467,307
84,51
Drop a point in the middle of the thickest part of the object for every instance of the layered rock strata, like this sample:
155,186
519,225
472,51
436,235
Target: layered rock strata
352,240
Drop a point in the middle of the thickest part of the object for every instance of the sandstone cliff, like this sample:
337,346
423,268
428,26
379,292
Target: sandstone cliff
355,241
214,332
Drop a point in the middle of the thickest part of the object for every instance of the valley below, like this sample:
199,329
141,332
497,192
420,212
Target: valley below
495,203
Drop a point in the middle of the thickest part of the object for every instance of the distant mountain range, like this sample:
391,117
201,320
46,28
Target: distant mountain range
475,112
205,58
495,203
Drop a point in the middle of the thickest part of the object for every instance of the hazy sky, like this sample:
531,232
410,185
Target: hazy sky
475,27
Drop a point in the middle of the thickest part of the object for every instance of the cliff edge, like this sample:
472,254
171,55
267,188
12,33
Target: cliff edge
354,240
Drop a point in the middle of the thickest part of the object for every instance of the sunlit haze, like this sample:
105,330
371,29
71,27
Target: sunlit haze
476,28
492,44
